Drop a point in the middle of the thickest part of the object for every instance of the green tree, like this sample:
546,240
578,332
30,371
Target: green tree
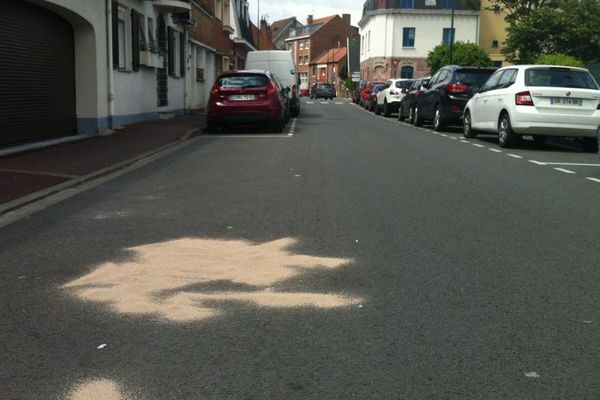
570,27
349,84
516,10
463,53
558,59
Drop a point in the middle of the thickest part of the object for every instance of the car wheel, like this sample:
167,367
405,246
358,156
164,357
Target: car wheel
386,109
411,115
278,126
506,136
400,112
417,118
589,144
468,131
438,121
377,109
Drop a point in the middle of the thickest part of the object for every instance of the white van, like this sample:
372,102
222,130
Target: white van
281,64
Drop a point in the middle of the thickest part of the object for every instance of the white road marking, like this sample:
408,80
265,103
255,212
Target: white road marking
443,134
537,162
572,164
464,141
292,127
310,102
495,150
338,102
324,102
478,145
453,138
566,171
593,179
514,155
253,136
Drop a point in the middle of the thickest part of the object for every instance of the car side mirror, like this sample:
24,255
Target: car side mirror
287,90
404,91
425,86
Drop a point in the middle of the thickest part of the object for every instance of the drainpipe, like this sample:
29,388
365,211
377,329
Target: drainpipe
109,67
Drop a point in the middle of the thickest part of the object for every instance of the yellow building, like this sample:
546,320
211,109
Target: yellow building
492,31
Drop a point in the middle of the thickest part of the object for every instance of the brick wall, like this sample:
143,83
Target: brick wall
203,30
331,35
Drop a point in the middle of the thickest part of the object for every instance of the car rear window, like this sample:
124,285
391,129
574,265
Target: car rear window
403,84
324,85
559,77
378,88
473,77
243,81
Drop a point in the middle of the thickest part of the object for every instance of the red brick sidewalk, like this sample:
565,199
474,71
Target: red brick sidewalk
26,173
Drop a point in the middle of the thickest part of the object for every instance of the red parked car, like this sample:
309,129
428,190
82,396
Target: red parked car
366,92
250,97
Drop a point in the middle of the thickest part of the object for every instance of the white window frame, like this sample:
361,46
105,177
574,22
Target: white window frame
124,39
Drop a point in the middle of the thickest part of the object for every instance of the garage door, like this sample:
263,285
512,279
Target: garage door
37,74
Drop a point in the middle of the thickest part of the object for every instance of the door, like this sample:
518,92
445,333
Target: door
481,112
37,74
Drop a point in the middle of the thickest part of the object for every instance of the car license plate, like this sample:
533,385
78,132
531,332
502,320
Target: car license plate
242,97
565,101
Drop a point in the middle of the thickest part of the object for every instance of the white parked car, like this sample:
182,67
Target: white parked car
536,100
388,100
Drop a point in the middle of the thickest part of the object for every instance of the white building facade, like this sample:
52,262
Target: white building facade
396,37
88,66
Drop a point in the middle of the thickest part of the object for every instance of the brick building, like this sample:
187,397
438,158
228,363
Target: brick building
316,37
328,65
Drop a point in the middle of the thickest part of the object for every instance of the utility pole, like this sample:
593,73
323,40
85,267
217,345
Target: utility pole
451,32
258,25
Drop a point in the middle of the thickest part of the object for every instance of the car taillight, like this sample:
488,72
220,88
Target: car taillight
456,88
523,99
598,107
214,92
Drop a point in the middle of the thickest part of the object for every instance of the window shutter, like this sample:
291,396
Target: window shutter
115,34
171,51
182,63
135,39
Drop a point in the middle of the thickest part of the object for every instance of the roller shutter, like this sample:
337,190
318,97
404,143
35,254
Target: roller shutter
37,74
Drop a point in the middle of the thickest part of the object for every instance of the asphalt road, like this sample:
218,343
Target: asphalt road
357,257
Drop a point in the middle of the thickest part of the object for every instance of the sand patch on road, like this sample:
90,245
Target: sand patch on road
182,280
100,389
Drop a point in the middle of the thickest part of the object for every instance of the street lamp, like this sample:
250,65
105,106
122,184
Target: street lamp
451,31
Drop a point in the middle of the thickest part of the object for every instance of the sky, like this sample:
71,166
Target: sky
280,9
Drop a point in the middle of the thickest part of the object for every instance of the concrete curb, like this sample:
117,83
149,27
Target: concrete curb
13,205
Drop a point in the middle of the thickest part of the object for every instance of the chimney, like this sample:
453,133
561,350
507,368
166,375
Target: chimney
347,18
309,20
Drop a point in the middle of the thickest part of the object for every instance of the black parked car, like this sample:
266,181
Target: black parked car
322,90
409,101
447,93
359,88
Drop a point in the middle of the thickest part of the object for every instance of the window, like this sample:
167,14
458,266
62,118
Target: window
448,35
559,77
200,63
492,82
369,41
307,44
408,37
407,4
497,9
219,9
175,51
447,4
508,78
123,38
498,64
301,45
495,44
152,44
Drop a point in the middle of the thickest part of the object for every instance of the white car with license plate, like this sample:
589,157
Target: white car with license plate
536,100
388,100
